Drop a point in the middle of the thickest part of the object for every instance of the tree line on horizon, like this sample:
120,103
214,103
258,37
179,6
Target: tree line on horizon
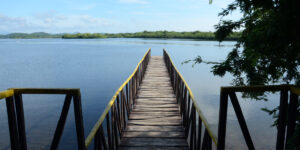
145,34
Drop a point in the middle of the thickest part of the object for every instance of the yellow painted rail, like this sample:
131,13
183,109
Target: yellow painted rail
16,120
6,94
134,79
10,92
177,79
261,88
286,113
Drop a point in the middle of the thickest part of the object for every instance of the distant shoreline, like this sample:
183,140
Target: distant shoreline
196,35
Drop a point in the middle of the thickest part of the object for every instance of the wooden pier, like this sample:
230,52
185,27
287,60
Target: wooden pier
155,121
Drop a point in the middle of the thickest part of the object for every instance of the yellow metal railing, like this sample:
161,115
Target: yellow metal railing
6,94
184,94
286,118
261,88
16,120
116,120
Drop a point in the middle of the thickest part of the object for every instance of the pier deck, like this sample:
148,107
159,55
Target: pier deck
155,121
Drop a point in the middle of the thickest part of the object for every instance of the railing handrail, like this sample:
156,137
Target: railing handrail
16,120
111,102
6,94
10,92
211,134
287,111
261,88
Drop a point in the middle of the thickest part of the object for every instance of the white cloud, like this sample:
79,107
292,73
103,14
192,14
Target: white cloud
54,23
134,1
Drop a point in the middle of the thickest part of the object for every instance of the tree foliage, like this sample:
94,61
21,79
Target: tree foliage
173,35
268,50
35,35
145,34
83,36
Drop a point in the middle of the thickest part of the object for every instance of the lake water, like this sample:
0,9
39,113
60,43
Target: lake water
98,67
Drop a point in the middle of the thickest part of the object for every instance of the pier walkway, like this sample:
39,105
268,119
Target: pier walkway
155,121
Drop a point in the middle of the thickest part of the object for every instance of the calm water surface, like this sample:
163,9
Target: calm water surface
98,67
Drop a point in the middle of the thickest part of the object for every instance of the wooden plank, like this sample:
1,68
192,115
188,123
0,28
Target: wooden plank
167,92
164,142
154,134
157,119
156,106
156,113
152,148
155,98
145,102
154,123
149,101
156,109
154,128
156,94
157,88
139,116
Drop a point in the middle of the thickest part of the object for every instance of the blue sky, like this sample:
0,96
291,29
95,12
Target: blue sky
109,16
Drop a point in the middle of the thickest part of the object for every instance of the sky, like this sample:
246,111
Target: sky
109,16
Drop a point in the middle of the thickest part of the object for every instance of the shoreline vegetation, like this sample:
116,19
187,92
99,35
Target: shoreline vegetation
145,34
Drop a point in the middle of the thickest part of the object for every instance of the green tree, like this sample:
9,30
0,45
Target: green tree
267,50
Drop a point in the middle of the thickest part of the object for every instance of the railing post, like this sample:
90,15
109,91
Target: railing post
97,143
115,130
123,109
12,124
222,120
102,138
127,98
21,121
292,111
192,128
61,123
79,121
241,120
130,94
113,125
206,141
280,143
109,137
199,133
119,114
187,125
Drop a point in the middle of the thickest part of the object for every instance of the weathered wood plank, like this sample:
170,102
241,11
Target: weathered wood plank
154,128
156,109
146,102
156,106
154,123
164,142
152,148
154,134
156,113
139,116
